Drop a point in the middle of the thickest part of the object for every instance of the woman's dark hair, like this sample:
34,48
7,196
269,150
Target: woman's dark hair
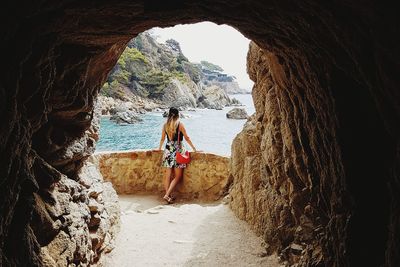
173,113
171,124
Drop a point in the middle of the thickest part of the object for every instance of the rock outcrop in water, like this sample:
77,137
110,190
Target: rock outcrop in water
237,114
325,140
109,105
125,117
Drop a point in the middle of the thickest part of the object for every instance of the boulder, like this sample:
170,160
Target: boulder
237,114
129,117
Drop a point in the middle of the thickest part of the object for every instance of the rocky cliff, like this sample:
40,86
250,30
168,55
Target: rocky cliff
326,134
230,87
212,74
160,74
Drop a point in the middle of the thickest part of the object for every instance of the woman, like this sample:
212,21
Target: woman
173,129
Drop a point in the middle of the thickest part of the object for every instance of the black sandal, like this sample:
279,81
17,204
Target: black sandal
168,199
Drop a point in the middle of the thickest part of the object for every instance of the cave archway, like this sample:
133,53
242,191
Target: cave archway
326,97
203,68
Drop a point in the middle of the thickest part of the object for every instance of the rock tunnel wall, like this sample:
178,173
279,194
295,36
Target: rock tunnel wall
77,221
291,168
288,177
332,130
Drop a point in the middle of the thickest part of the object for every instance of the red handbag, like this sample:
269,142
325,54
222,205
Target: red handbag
182,158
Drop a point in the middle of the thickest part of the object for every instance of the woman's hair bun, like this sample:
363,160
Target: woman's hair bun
173,112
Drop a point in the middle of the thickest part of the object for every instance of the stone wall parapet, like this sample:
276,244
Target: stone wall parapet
140,171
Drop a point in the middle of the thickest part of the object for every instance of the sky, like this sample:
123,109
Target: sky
218,44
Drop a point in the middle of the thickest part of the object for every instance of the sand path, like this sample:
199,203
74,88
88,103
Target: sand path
154,234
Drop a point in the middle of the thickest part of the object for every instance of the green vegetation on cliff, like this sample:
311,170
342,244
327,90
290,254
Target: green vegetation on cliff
157,71
210,66
131,55
146,68
155,81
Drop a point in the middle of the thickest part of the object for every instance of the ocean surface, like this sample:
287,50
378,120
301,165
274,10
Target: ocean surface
209,130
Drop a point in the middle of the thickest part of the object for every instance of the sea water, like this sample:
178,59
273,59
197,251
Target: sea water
209,130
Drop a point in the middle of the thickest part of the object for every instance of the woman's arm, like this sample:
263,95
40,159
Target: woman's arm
187,138
162,137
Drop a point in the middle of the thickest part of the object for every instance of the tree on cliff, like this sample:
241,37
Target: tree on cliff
210,66
174,45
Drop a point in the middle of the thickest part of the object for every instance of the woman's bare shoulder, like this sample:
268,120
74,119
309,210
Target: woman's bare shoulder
181,125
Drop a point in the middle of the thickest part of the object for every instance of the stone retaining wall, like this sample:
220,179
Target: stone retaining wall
131,172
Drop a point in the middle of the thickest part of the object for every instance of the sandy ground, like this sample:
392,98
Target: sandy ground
182,234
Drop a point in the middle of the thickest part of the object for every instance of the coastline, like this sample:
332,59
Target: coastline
156,107
145,135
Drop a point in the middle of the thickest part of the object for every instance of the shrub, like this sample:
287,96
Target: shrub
109,89
211,66
155,82
129,56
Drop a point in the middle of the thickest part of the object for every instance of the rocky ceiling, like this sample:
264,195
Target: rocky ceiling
328,113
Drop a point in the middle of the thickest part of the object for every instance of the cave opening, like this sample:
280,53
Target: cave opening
156,72
325,137
150,76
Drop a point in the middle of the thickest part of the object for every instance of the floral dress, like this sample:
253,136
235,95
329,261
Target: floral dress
171,147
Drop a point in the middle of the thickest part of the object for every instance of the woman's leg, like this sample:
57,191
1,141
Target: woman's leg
178,175
167,178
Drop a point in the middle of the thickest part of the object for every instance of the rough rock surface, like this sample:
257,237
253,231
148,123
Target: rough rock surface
237,114
110,105
214,97
190,95
205,178
178,94
128,117
230,87
331,151
287,168
76,221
